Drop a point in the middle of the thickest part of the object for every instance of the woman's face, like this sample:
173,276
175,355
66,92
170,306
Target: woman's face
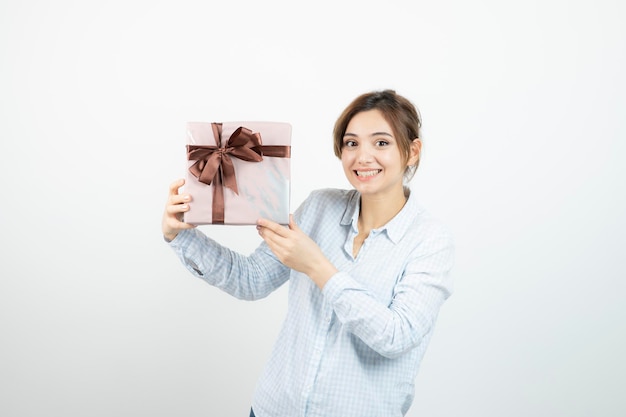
370,156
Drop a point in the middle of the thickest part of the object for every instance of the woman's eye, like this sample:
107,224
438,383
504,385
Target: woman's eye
349,143
382,143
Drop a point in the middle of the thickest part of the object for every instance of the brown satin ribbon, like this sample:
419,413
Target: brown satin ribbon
215,166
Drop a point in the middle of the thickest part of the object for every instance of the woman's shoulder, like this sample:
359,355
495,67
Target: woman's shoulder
427,226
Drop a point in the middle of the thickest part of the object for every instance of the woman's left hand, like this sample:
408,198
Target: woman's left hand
296,250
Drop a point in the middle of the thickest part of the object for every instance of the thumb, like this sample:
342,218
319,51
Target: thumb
292,224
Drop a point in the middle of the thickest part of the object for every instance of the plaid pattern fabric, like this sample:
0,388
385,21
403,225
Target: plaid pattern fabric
353,348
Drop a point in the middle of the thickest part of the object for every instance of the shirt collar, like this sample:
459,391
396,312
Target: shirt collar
395,228
351,214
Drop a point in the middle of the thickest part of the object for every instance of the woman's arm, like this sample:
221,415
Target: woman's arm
297,250
393,329
245,277
390,329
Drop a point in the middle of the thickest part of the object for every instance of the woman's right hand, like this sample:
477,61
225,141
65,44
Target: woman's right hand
177,204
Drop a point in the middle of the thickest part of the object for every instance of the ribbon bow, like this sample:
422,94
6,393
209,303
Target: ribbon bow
214,162
215,166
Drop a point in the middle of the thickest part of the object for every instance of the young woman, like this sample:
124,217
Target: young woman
368,270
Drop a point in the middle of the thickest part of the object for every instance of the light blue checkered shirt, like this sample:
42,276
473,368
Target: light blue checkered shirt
353,348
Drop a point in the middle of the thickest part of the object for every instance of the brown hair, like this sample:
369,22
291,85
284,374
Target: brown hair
400,113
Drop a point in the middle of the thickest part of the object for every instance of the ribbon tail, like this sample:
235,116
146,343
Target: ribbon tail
210,169
228,171
217,217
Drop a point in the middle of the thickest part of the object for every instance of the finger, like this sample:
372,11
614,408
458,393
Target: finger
179,199
177,208
176,214
264,232
273,226
176,185
273,239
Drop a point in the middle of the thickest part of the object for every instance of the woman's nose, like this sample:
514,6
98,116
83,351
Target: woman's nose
364,155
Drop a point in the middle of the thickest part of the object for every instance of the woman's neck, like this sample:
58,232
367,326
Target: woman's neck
376,211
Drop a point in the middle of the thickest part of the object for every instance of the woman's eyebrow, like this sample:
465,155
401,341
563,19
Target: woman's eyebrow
372,135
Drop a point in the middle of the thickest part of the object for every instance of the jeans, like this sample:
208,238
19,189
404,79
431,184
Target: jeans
252,413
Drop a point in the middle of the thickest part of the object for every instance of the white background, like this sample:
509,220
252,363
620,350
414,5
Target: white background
524,135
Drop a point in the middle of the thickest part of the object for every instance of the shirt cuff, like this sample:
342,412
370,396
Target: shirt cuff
181,239
336,285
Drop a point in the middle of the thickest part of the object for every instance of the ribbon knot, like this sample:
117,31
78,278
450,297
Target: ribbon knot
214,164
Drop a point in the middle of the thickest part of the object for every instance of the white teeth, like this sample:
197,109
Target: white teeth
367,173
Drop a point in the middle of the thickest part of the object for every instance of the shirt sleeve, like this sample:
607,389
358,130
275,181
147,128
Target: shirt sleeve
408,320
245,277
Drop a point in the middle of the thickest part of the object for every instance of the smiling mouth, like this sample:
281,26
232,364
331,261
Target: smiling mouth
368,173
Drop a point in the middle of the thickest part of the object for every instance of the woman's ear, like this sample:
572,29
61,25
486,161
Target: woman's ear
415,152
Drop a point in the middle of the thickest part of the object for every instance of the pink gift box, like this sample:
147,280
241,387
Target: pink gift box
238,172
